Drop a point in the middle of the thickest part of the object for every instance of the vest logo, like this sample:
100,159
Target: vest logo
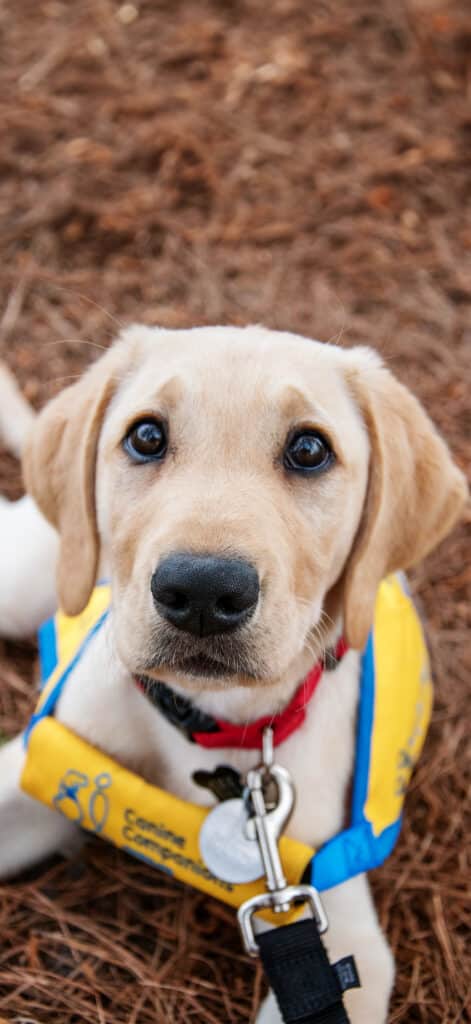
71,800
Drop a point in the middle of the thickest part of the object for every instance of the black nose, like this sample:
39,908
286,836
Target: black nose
205,595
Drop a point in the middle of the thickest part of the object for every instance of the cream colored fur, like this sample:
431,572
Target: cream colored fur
320,545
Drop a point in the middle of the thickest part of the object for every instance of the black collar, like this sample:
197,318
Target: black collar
178,710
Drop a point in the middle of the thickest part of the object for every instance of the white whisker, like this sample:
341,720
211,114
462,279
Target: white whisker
91,302
76,341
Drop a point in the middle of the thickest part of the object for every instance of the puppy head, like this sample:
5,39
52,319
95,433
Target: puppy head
238,483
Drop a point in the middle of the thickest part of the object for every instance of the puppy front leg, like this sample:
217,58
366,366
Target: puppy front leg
353,928
29,831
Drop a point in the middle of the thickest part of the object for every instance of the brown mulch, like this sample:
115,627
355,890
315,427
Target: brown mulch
305,165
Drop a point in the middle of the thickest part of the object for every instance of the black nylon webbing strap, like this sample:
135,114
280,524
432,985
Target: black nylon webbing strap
305,984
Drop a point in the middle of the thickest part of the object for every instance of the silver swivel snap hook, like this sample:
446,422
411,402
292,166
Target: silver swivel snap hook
265,826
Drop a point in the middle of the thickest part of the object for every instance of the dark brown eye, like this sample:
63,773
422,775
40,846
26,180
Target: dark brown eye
308,452
146,441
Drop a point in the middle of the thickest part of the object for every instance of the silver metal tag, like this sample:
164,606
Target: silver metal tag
225,848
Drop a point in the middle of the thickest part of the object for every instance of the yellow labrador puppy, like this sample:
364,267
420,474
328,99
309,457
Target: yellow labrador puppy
245,491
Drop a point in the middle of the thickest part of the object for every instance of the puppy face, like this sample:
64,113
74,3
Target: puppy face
236,410
240,484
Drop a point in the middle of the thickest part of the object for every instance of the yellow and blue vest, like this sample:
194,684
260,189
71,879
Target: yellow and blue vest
68,774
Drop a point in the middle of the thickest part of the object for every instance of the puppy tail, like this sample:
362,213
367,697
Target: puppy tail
16,414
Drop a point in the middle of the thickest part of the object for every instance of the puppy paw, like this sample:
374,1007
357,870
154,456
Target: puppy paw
369,1004
268,1012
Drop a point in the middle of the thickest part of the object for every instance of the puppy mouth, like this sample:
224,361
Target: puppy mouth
202,665
211,658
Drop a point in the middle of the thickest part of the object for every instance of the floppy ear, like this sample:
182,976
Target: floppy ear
415,492
59,472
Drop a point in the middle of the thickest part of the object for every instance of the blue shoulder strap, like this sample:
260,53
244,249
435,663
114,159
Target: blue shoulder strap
355,849
51,696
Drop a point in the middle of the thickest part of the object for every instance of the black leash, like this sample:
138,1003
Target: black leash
308,989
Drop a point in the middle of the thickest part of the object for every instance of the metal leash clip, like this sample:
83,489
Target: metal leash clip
266,826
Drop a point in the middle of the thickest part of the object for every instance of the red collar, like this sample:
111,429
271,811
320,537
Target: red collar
215,732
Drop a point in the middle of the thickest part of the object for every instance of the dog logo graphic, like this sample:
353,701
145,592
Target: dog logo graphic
71,800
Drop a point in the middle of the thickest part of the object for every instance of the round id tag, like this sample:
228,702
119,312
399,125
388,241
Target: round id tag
224,846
